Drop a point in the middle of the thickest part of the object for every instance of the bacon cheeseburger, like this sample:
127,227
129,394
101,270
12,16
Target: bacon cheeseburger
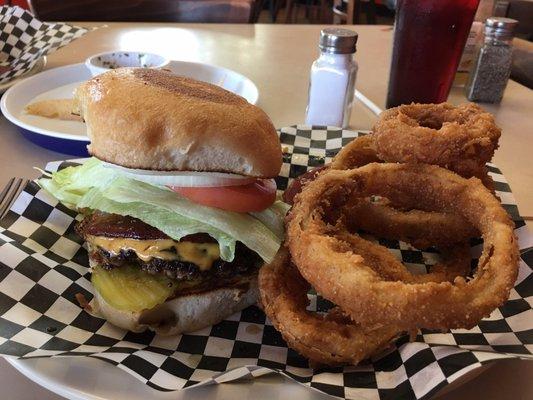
178,201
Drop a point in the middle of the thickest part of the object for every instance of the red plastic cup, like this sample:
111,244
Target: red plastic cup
429,37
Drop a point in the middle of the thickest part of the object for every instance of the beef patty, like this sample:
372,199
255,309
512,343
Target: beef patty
116,226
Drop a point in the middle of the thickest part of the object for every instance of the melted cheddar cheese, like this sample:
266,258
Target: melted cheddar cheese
201,254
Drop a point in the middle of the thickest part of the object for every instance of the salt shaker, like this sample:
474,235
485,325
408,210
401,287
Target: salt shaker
492,68
332,81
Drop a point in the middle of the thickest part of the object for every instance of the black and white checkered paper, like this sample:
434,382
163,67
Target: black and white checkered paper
24,40
43,266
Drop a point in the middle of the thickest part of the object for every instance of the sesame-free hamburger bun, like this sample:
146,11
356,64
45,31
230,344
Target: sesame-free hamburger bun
153,119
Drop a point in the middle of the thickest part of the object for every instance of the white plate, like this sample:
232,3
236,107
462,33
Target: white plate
38,67
85,378
70,136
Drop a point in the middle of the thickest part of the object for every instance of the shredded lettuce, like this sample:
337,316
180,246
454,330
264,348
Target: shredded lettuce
93,186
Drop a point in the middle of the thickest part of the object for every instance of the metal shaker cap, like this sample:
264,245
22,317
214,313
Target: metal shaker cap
500,27
338,40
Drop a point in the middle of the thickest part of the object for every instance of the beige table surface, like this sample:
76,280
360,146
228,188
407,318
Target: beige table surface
277,58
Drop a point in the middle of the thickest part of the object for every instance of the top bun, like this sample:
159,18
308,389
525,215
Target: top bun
153,119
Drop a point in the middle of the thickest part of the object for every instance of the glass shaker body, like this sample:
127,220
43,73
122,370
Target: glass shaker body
331,89
489,75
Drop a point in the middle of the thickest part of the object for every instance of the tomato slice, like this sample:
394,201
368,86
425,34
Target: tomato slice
255,196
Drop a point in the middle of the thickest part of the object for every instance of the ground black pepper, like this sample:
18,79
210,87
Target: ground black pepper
492,68
490,74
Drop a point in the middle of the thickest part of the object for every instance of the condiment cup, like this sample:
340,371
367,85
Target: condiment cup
103,62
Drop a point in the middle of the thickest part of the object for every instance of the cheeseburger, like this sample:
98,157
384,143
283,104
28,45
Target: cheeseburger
178,201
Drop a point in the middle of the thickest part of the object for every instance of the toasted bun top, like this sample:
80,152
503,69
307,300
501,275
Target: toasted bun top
153,119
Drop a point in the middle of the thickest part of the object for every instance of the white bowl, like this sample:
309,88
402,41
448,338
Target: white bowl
103,62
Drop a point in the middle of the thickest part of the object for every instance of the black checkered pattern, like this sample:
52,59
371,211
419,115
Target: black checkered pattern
43,266
24,39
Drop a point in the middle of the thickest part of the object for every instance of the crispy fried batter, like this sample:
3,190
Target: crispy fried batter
461,138
344,276
377,297
358,152
421,229
332,339
455,261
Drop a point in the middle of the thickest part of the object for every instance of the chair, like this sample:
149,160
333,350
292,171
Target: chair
317,11
273,7
522,68
349,11
522,11
229,11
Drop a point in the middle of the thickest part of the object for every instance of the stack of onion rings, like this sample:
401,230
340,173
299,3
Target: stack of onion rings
460,138
380,217
377,298
346,278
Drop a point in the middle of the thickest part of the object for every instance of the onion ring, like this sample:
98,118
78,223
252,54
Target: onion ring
484,177
461,138
343,277
419,228
357,153
332,339
362,150
455,263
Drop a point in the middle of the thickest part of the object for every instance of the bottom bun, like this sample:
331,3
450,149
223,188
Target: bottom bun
182,314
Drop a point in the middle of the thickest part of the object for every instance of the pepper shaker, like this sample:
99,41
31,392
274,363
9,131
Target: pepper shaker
332,81
492,68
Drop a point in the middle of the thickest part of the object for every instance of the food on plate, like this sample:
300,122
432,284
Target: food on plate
388,220
176,123
421,229
368,298
454,261
64,109
340,208
330,339
461,138
179,202
360,151
334,338
379,216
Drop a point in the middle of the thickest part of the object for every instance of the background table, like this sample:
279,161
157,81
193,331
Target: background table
277,58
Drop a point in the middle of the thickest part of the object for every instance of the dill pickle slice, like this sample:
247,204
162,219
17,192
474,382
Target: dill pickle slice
128,288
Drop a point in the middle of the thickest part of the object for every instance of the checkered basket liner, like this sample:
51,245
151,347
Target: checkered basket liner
43,266
24,39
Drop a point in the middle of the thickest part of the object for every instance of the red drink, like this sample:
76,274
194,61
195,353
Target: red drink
429,37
